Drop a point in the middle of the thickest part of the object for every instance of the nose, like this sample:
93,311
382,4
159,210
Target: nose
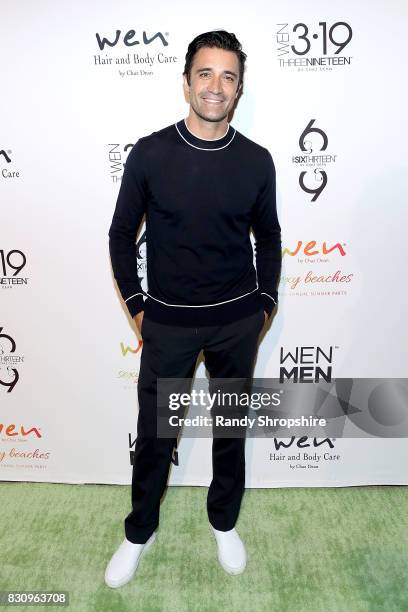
215,85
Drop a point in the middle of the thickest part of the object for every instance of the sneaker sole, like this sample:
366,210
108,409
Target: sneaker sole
234,571
115,585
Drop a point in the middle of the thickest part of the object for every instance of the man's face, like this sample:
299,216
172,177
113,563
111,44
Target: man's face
213,83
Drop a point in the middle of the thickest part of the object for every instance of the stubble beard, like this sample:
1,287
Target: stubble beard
209,118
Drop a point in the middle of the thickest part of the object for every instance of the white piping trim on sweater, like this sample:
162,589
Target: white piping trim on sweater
132,296
203,148
202,305
269,296
209,139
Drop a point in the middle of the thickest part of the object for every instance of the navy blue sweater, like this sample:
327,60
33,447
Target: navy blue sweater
200,197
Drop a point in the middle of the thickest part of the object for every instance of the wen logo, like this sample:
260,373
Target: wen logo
117,159
127,39
309,249
302,442
309,363
127,349
10,430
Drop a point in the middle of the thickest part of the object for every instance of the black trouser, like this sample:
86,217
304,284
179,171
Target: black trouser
171,352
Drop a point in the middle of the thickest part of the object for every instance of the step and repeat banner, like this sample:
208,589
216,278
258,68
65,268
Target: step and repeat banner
325,92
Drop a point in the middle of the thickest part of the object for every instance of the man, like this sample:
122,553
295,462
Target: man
202,186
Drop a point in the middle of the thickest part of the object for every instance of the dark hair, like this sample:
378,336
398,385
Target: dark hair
217,38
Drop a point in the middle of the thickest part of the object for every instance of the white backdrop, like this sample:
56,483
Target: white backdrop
71,106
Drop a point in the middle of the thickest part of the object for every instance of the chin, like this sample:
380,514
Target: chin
213,116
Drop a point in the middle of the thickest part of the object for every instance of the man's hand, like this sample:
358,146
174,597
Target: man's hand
138,318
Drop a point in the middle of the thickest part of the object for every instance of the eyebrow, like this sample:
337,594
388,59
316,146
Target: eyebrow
225,71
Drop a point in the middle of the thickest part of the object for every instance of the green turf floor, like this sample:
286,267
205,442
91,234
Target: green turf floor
309,549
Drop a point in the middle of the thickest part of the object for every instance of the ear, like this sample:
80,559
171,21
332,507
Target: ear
186,90
185,83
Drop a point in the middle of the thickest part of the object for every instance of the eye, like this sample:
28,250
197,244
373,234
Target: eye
204,73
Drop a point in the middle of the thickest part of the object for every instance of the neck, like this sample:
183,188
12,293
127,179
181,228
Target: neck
208,130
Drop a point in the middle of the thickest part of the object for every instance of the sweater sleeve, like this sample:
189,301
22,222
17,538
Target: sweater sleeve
129,211
268,249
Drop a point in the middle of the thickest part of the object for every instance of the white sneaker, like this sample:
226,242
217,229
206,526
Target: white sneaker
124,562
231,550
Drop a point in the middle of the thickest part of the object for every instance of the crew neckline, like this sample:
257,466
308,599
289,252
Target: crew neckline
201,143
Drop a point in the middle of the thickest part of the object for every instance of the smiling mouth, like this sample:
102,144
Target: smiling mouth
212,101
